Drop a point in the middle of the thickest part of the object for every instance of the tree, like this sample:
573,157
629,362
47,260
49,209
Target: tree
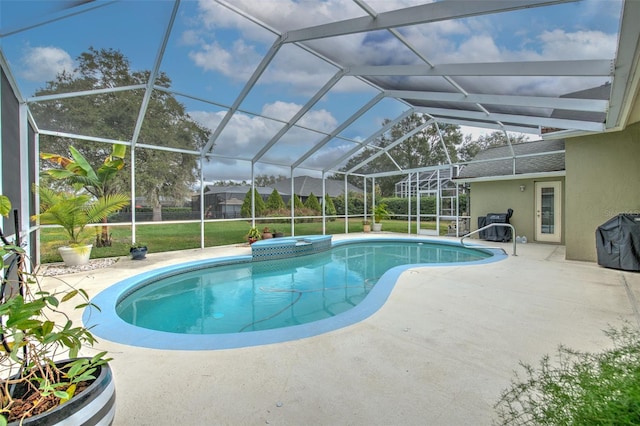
297,204
313,203
264,180
245,210
425,148
77,172
329,207
159,174
275,201
470,148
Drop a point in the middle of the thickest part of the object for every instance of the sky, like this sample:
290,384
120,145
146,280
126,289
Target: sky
212,51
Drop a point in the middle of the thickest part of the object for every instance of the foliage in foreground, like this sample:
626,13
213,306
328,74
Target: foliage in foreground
580,388
35,332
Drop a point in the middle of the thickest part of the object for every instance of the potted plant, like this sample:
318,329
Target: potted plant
253,235
99,182
366,226
266,233
74,212
43,380
138,251
380,213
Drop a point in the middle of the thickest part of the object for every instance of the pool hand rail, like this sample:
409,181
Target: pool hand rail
513,230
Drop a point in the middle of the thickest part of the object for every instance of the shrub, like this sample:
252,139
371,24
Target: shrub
297,204
275,201
330,208
580,389
312,203
245,210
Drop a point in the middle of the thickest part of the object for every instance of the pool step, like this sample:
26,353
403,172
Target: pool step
286,247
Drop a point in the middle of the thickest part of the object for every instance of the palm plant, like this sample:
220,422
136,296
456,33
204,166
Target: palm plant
75,211
77,172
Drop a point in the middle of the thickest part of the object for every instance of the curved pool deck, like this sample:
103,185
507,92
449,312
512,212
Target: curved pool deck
439,351
106,323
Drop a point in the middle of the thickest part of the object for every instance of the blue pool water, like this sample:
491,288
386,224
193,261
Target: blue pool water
239,302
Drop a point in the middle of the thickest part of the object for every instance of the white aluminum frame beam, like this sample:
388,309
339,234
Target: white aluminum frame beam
422,14
262,66
569,68
339,129
492,125
593,105
627,74
516,119
390,146
314,100
371,138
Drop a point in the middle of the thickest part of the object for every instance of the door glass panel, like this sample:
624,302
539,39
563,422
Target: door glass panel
547,211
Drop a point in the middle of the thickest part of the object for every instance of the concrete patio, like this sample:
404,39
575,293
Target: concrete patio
439,352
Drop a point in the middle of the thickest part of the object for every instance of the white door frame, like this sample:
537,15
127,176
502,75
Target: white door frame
547,231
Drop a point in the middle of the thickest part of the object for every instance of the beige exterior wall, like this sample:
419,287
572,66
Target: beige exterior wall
603,180
498,196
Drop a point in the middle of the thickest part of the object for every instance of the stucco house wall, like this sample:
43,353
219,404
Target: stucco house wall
499,195
603,180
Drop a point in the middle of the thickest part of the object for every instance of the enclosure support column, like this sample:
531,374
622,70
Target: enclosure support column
373,194
409,203
365,198
438,203
324,205
346,206
202,224
253,195
454,173
293,205
133,193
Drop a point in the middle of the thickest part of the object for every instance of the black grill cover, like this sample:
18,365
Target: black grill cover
618,242
482,222
497,233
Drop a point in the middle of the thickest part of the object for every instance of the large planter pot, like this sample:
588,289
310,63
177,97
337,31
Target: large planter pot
96,405
138,253
377,227
73,256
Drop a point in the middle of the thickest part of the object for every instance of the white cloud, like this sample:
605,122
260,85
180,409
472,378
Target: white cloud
44,63
238,63
244,135
558,44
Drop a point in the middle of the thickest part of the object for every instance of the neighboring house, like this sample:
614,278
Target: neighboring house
532,184
225,202
303,186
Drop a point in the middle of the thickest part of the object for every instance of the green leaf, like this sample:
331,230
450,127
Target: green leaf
5,205
119,150
71,390
70,295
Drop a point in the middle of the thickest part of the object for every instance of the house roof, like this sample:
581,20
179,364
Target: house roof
543,156
240,189
305,185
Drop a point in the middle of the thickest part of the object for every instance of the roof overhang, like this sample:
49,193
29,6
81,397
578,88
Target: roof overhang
560,173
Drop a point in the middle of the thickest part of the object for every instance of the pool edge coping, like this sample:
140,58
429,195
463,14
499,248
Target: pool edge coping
106,324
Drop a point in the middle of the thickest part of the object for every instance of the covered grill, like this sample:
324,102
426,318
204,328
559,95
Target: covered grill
618,242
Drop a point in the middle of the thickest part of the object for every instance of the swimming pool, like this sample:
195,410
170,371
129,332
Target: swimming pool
236,302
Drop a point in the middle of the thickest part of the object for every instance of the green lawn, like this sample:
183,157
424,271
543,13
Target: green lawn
161,237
